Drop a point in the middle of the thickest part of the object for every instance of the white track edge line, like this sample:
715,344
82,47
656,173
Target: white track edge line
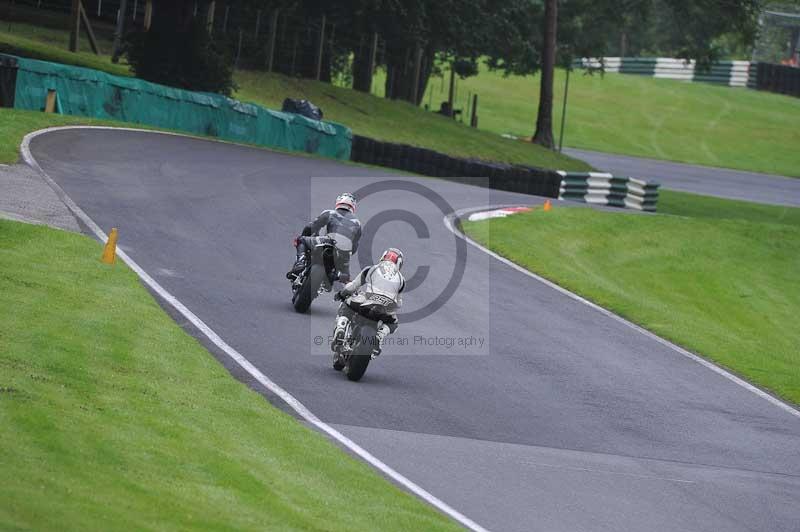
289,399
448,222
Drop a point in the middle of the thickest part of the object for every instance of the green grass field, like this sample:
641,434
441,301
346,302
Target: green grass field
50,44
695,123
113,418
718,277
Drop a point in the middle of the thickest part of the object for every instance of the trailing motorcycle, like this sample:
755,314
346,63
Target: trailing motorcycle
360,342
317,276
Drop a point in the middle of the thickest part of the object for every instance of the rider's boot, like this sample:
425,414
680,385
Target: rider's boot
339,331
298,267
380,335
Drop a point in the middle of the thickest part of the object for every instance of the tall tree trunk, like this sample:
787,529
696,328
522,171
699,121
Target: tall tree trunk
544,120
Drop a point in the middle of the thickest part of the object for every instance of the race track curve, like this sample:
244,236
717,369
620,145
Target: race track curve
564,419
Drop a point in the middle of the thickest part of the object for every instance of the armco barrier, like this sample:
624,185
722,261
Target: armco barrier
732,73
500,176
605,189
86,92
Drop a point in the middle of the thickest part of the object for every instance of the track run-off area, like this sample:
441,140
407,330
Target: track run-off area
517,405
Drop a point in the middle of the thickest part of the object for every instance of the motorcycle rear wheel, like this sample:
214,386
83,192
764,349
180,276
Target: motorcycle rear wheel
356,365
308,290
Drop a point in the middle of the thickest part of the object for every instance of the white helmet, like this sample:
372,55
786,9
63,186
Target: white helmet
346,201
393,255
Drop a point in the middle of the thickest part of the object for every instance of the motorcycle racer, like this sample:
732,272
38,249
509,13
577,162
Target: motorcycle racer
374,294
341,224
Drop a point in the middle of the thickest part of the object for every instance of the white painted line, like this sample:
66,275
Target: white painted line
448,221
290,400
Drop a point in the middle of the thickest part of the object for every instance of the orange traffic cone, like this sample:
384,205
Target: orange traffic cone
110,249
547,206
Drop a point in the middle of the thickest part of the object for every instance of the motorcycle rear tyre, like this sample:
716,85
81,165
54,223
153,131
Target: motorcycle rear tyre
362,353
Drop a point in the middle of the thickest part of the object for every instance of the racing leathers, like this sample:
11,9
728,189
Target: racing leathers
343,227
374,294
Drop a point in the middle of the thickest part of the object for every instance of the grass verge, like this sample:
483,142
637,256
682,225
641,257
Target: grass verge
115,419
697,123
718,277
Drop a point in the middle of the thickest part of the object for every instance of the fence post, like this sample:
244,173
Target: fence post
238,50
417,70
273,33
225,20
135,8
120,29
564,112
75,25
148,15
473,121
99,7
258,22
451,92
294,54
373,52
89,32
321,45
212,6
50,102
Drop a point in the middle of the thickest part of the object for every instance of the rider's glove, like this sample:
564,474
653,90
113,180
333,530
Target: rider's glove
339,296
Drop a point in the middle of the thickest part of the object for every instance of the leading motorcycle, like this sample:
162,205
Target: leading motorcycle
317,276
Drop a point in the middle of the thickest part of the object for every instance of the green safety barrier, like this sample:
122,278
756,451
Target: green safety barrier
87,92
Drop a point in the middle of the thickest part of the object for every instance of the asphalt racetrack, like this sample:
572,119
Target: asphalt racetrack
721,182
520,407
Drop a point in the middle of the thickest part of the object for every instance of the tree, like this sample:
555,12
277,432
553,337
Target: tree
544,118
689,29
178,51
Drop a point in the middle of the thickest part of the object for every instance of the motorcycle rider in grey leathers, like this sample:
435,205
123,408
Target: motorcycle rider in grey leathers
340,224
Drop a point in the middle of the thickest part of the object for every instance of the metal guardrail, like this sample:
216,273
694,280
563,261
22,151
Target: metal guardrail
605,189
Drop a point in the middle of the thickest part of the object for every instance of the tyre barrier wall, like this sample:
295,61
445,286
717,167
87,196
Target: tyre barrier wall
731,73
605,189
95,94
782,79
500,176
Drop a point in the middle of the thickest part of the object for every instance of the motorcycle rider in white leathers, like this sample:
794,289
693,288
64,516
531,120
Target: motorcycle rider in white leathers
375,294
340,224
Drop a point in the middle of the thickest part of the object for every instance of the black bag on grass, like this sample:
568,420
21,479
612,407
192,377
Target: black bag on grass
302,107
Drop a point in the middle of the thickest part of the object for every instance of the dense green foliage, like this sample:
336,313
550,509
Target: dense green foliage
718,277
178,51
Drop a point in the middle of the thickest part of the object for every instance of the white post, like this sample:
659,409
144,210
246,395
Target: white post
99,7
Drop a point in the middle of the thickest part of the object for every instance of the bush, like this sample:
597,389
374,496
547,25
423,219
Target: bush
187,59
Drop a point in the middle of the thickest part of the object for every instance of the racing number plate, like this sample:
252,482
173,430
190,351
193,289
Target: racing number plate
381,299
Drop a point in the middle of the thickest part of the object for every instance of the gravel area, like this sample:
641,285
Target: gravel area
26,197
